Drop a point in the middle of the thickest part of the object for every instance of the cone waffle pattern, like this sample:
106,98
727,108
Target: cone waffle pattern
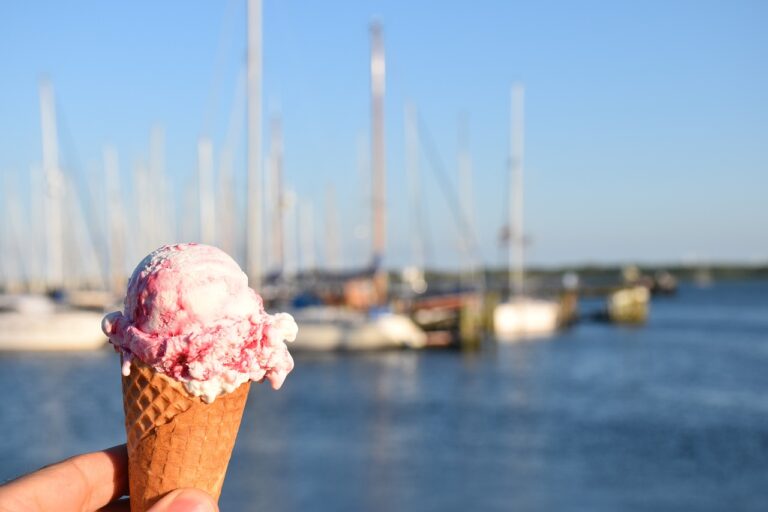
174,439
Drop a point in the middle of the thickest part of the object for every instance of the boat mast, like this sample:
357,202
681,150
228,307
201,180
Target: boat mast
205,184
55,188
414,186
226,201
253,203
363,224
37,198
16,264
467,235
516,249
378,182
115,221
278,199
290,263
306,218
163,215
332,249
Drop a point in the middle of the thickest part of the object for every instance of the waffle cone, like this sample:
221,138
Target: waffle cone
176,440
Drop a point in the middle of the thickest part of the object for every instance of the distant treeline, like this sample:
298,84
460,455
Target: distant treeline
613,272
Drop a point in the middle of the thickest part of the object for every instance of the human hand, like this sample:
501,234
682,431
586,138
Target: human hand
90,482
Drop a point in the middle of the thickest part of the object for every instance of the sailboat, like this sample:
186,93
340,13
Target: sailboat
328,328
364,326
35,321
521,316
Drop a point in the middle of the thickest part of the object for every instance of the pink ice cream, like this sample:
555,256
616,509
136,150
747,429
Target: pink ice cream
189,314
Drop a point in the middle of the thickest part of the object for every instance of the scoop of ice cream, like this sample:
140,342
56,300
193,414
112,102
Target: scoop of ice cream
189,313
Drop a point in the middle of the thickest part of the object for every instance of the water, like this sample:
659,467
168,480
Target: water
672,416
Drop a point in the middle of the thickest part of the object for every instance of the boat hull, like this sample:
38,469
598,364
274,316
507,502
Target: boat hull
522,318
329,329
66,330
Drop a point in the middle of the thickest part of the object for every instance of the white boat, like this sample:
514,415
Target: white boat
35,323
521,316
525,317
629,305
328,328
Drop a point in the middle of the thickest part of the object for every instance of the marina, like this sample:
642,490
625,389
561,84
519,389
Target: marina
348,310
413,257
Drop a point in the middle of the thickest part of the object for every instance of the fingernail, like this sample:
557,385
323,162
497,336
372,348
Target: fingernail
185,500
189,505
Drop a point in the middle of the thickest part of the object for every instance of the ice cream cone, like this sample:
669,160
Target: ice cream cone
175,439
193,335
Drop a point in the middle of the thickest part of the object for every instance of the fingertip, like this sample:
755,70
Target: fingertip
186,500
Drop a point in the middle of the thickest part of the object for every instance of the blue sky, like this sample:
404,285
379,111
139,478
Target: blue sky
646,122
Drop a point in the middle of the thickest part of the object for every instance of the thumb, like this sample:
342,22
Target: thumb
185,500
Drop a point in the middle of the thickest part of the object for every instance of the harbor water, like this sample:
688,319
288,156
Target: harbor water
669,416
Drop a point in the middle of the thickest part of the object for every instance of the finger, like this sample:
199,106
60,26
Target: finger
84,482
185,500
123,505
